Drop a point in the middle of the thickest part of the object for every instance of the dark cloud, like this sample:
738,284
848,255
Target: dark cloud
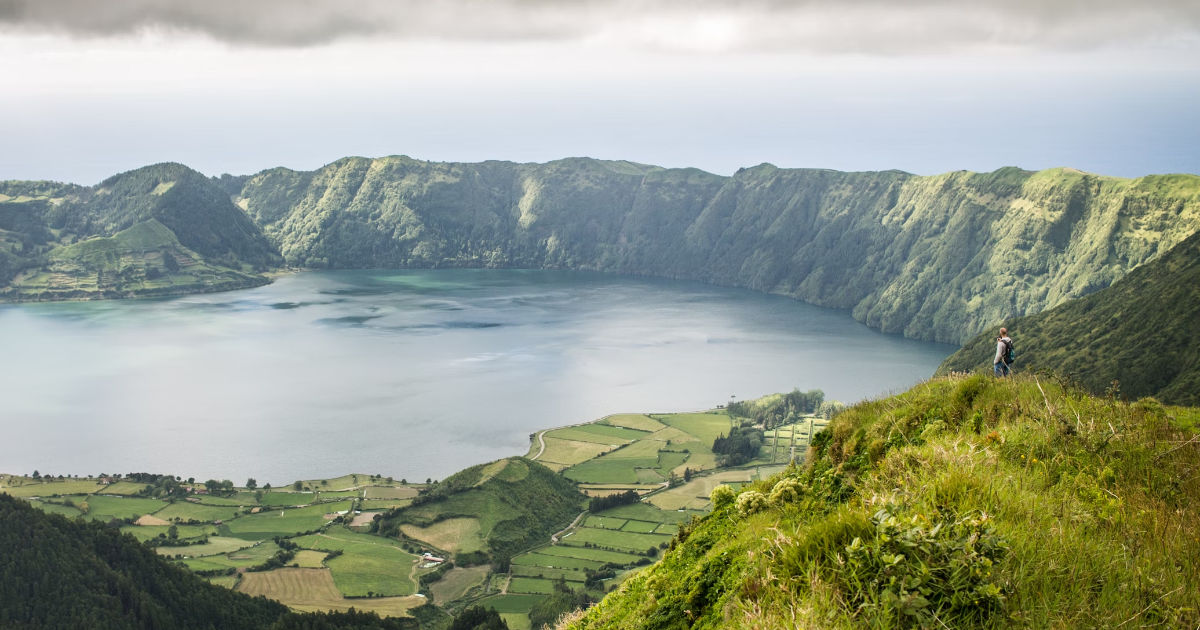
845,26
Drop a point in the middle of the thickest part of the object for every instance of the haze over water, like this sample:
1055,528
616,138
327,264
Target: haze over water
410,374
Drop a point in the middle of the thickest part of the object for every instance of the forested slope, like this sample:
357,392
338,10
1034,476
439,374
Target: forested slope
58,573
1143,332
936,257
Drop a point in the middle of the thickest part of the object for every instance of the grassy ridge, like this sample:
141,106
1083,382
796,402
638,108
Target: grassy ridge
1144,332
964,502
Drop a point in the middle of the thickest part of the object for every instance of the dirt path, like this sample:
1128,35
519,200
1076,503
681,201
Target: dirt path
542,443
555,537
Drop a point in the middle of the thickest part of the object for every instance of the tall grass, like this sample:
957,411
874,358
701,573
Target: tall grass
964,502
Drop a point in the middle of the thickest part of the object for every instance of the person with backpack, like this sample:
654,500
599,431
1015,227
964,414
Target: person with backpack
1001,365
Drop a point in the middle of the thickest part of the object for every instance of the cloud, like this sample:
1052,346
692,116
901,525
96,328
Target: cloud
813,26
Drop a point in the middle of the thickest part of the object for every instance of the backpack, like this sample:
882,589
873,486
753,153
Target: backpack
1010,353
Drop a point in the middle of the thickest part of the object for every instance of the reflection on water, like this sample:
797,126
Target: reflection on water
403,373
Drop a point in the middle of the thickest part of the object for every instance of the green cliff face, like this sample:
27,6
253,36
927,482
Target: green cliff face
159,230
937,258
966,502
1143,331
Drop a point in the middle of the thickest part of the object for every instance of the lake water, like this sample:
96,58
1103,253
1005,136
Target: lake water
410,374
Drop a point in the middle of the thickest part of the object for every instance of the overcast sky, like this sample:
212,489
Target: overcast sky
90,88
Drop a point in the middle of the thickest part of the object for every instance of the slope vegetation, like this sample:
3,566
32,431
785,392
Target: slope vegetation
1143,332
964,502
936,258
59,573
162,229
499,509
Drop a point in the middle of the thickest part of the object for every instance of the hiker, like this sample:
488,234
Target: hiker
1004,352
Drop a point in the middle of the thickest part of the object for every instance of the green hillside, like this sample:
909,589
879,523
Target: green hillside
939,257
159,230
60,573
1144,332
964,502
495,509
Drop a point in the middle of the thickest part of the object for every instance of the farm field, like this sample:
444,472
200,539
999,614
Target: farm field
694,494
240,559
24,487
389,492
187,511
106,508
184,532
216,545
457,582
636,421
609,539
368,564
311,590
285,522
453,534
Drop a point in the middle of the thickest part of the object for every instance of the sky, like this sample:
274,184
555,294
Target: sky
89,89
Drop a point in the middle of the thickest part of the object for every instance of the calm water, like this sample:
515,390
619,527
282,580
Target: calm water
404,373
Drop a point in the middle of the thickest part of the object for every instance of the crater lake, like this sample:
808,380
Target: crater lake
409,374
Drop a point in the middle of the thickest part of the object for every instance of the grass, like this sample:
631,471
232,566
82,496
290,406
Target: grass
705,427
452,534
510,603
645,512
216,545
286,522
531,585
368,564
569,452
586,433
184,532
640,527
56,508
24,487
277,498
694,494
240,559
390,492
964,502
535,559
604,522
188,511
124,488
106,508
308,559
456,583
636,421
586,553
624,540
311,590
533,570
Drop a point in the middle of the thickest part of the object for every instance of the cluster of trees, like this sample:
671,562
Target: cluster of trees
774,411
598,504
479,618
563,600
740,446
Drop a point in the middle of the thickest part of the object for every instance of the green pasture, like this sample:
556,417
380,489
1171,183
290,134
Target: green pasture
588,553
635,421
106,508
531,585
584,433
327,495
56,508
379,569
228,581
286,522
239,499
276,498
367,564
646,512
24,487
487,507
216,545
648,475
185,532
535,559
640,527
124,488
384,504
617,540
510,603
308,559
604,522
188,511
608,469
240,559
570,451
706,427
536,571
390,492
